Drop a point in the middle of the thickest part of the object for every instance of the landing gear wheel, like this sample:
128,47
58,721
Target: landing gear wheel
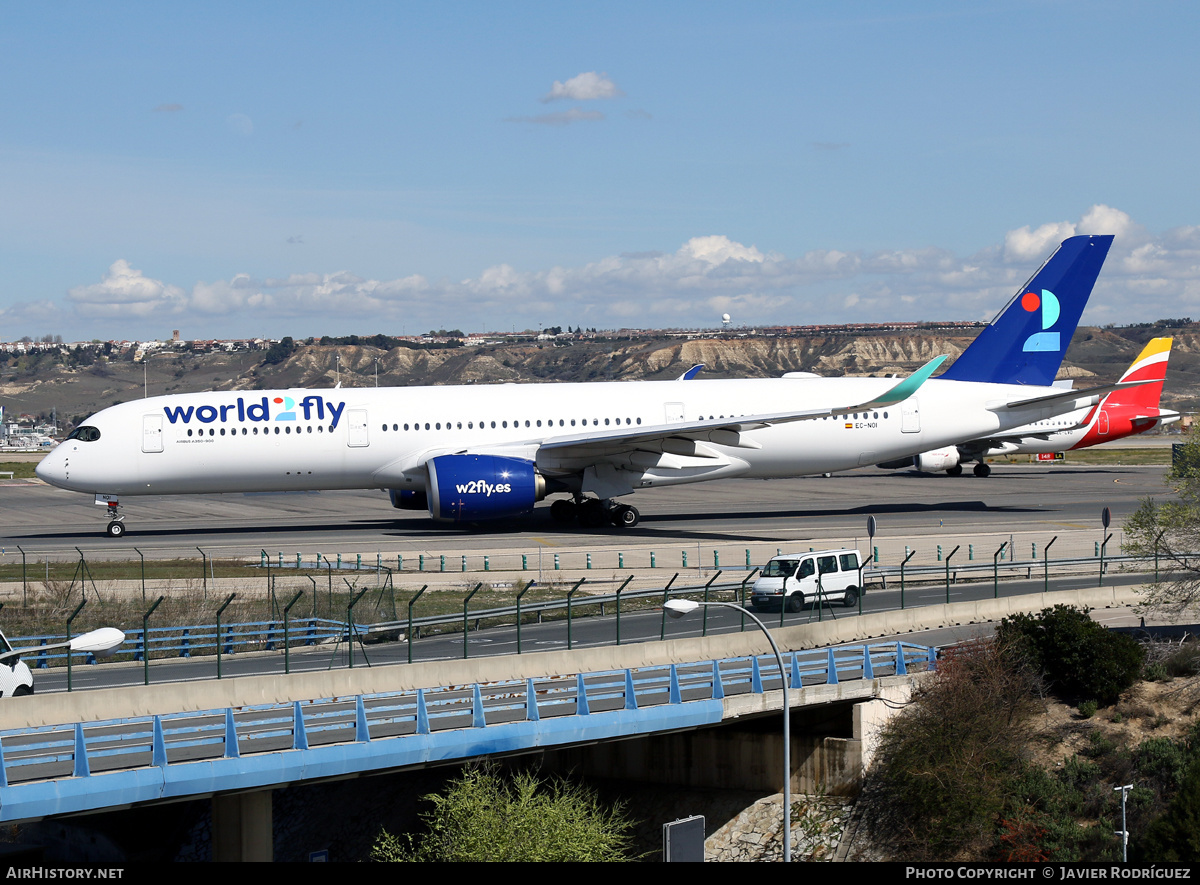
625,517
795,602
851,597
591,514
563,511
981,470
956,470
116,529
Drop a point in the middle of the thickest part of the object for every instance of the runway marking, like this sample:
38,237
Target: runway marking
544,542
1071,525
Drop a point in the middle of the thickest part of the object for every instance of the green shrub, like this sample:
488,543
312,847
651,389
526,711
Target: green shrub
1174,837
945,767
1080,658
1162,759
1157,672
1087,709
485,815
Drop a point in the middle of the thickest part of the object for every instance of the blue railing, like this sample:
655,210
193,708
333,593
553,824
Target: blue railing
60,769
183,641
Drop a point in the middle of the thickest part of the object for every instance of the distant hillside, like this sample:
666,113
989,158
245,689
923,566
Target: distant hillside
37,386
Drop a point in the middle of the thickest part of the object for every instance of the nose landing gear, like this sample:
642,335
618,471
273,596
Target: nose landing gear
116,525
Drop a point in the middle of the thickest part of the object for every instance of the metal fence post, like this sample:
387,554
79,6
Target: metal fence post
948,558
146,640
902,565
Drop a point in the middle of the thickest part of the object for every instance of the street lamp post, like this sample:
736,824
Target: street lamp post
677,608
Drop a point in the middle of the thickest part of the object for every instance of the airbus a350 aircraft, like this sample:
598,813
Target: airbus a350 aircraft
1120,414
475,453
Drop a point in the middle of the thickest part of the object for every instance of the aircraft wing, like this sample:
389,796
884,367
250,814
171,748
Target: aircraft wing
728,431
682,438
1000,440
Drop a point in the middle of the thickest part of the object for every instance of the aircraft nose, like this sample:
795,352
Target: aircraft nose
53,468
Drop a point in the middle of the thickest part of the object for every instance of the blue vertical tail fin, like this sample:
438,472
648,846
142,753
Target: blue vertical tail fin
1027,340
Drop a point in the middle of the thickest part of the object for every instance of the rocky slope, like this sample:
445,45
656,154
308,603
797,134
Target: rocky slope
1095,355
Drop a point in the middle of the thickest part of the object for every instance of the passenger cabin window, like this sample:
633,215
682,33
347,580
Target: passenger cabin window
827,564
849,562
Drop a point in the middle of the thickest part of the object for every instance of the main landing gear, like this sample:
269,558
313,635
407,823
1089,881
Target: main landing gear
980,469
593,513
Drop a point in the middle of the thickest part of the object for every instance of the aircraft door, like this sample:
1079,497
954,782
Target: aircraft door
910,416
1102,423
674,412
357,419
152,433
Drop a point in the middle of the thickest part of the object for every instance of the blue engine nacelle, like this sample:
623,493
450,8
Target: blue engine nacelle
467,488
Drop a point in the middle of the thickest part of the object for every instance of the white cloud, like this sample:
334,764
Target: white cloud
125,291
718,249
1023,244
587,86
1146,277
1101,219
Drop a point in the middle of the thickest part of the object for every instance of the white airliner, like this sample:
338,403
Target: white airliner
1120,414
474,453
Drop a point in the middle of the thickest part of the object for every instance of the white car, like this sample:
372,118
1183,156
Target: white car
16,679
796,579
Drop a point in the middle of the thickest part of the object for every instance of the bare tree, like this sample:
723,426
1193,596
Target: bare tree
1169,531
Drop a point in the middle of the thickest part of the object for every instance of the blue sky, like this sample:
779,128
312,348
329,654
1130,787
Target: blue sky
306,169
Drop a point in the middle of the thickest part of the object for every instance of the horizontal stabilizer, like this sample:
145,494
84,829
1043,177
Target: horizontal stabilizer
1069,395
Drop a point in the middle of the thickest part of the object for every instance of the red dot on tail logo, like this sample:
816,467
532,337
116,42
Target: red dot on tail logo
1030,302
279,399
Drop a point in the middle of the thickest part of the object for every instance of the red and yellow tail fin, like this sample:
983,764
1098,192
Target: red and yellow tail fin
1150,365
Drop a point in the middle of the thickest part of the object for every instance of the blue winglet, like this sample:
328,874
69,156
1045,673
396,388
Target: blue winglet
1026,341
905,388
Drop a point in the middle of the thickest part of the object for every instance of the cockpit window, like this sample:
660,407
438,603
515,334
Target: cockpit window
85,433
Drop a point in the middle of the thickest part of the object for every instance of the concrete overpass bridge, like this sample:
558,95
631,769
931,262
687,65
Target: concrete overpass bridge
237,740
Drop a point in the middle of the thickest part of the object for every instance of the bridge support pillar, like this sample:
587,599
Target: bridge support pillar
242,827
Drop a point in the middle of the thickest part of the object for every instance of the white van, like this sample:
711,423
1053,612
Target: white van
801,578
15,676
